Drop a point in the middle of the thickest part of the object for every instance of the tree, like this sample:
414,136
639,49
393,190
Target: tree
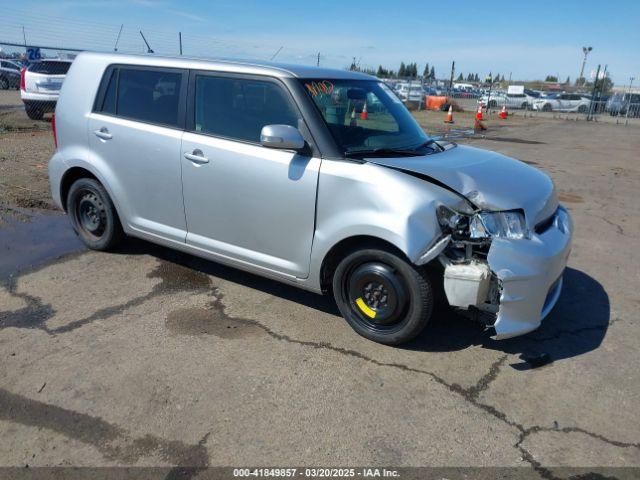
604,84
425,72
402,71
568,80
551,78
432,74
460,78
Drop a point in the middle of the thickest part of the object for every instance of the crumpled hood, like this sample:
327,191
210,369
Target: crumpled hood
489,180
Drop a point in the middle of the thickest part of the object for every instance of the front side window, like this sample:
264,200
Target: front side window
365,117
147,95
238,108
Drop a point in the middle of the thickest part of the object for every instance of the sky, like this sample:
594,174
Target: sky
530,41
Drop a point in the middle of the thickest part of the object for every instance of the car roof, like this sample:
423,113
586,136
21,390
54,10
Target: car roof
230,65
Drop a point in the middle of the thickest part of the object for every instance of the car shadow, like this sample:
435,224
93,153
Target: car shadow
576,325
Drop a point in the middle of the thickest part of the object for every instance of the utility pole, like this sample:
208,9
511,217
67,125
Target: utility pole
593,93
318,61
115,47
453,69
626,117
180,41
586,51
24,36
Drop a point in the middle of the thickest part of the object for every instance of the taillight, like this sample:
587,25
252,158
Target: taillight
53,129
23,86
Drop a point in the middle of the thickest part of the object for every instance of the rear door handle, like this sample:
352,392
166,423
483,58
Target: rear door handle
103,133
196,156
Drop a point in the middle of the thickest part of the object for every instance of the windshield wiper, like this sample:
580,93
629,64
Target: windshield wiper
391,151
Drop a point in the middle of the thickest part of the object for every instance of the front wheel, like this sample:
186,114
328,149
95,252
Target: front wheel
93,215
546,107
582,109
382,297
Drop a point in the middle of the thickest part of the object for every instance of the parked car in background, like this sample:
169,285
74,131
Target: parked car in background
563,102
511,100
619,103
9,74
40,84
264,167
410,93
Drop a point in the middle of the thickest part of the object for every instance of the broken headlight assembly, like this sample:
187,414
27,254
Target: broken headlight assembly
483,225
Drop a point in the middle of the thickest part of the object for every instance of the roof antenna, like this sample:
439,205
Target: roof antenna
115,47
276,54
146,43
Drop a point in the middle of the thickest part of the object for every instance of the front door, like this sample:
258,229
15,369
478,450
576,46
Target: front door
245,202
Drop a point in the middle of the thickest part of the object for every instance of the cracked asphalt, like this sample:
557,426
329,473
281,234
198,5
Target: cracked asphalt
150,357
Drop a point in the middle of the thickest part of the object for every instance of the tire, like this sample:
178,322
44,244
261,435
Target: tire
92,215
33,112
524,106
582,109
493,104
546,107
4,84
381,296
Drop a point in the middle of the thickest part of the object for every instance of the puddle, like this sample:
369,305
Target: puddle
570,198
29,239
209,321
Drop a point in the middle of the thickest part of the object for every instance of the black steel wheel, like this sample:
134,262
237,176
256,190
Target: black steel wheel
93,215
383,297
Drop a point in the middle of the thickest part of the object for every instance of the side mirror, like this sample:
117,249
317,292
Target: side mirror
284,137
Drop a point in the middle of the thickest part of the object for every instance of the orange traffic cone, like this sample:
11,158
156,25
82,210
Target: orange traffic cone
364,114
353,122
503,113
449,118
479,112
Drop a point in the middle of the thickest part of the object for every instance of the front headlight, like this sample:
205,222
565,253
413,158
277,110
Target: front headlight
508,224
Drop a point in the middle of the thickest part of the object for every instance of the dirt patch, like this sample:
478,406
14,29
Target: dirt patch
570,198
209,321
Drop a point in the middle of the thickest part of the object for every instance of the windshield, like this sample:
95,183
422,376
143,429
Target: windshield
366,116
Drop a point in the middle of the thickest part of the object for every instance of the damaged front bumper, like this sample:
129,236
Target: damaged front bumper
527,278
530,273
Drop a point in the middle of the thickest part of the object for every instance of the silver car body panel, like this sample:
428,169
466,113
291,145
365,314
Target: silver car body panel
278,214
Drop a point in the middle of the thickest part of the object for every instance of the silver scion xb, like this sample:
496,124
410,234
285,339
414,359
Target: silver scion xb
313,177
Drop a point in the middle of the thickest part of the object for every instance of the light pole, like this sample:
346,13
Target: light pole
586,51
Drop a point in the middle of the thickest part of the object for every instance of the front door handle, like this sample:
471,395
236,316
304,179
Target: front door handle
196,156
103,133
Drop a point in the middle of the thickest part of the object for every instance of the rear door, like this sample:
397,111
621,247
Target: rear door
135,131
243,201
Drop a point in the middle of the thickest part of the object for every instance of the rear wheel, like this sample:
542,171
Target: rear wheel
93,215
493,103
382,297
4,84
34,112
546,107
582,109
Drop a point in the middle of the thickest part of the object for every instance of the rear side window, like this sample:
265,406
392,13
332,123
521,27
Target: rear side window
239,108
147,95
50,68
109,101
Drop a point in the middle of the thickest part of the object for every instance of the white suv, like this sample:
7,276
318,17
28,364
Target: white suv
40,86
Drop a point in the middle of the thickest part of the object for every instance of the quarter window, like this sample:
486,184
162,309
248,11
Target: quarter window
239,108
109,102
